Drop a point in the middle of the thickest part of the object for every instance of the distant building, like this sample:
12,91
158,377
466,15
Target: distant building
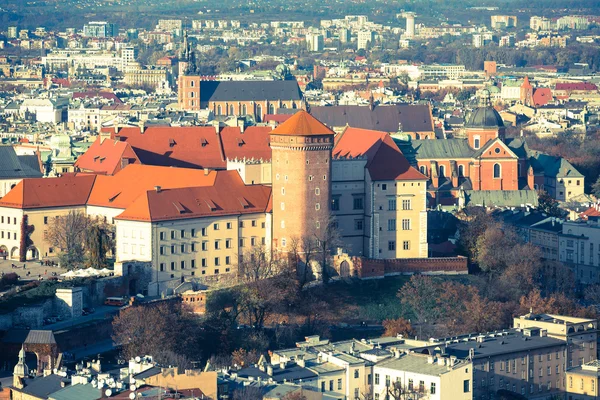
170,25
583,380
503,21
314,42
12,32
365,39
410,26
344,35
540,24
100,29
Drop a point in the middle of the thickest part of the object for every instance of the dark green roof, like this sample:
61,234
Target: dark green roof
485,117
442,148
501,198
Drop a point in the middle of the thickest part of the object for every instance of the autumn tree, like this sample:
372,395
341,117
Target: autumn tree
475,221
547,204
421,295
398,326
596,188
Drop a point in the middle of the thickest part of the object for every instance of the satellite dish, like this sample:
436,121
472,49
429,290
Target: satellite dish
132,396
108,392
138,359
133,388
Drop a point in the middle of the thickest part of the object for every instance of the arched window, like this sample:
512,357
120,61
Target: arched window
231,110
476,143
293,105
219,110
283,105
442,171
497,171
461,170
271,109
423,170
244,109
258,113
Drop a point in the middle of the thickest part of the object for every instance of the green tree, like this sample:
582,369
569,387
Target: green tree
98,242
548,205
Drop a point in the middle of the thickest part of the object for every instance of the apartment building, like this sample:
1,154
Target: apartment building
579,247
365,40
582,381
503,21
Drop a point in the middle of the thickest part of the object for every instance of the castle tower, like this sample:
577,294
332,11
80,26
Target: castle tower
20,371
301,176
484,123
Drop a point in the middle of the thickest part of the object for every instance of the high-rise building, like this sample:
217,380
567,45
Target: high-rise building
12,32
365,39
344,35
503,21
410,26
301,168
314,42
99,29
540,24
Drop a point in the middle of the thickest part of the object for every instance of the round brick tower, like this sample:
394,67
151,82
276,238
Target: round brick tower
301,176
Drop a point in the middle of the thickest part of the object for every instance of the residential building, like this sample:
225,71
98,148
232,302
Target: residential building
582,381
344,35
169,25
378,199
366,39
579,248
503,21
314,42
100,29
423,376
540,24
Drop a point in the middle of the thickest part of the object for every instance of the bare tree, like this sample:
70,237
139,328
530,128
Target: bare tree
67,232
328,239
258,263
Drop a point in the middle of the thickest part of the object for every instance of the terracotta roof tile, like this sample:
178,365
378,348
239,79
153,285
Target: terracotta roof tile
252,143
186,147
122,189
68,190
302,124
227,196
106,157
385,160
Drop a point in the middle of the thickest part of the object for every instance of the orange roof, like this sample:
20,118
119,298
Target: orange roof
186,147
526,84
120,190
302,124
68,190
106,157
227,196
252,143
385,161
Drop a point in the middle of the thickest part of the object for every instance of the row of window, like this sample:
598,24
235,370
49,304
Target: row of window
205,245
9,219
406,225
410,385
392,245
14,234
461,171
204,231
192,264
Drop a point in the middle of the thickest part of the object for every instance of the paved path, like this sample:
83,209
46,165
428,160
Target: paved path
34,269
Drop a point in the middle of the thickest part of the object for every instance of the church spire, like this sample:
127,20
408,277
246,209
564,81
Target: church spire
20,371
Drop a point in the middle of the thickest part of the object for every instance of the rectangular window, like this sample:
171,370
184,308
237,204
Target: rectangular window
227,260
229,225
217,261
216,227
241,224
391,225
252,241
358,224
406,205
241,242
466,386
182,248
192,246
182,233
254,223
203,262
358,203
392,204
172,265
162,235
204,246
217,244
203,231
193,264
45,220
182,264
339,384
162,267
391,245
406,245
173,250
227,243
193,233
406,224
335,203
432,389
377,379
172,234
384,186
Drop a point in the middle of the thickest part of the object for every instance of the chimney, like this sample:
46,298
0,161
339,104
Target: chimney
454,179
269,370
429,359
206,171
282,365
158,189
300,360
435,177
441,361
530,178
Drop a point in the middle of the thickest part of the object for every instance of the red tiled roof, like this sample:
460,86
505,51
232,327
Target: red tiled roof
541,96
593,211
187,147
302,124
227,196
106,157
385,160
65,191
576,86
120,190
252,143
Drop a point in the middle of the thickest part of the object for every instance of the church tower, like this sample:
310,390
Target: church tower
301,175
20,371
484,123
